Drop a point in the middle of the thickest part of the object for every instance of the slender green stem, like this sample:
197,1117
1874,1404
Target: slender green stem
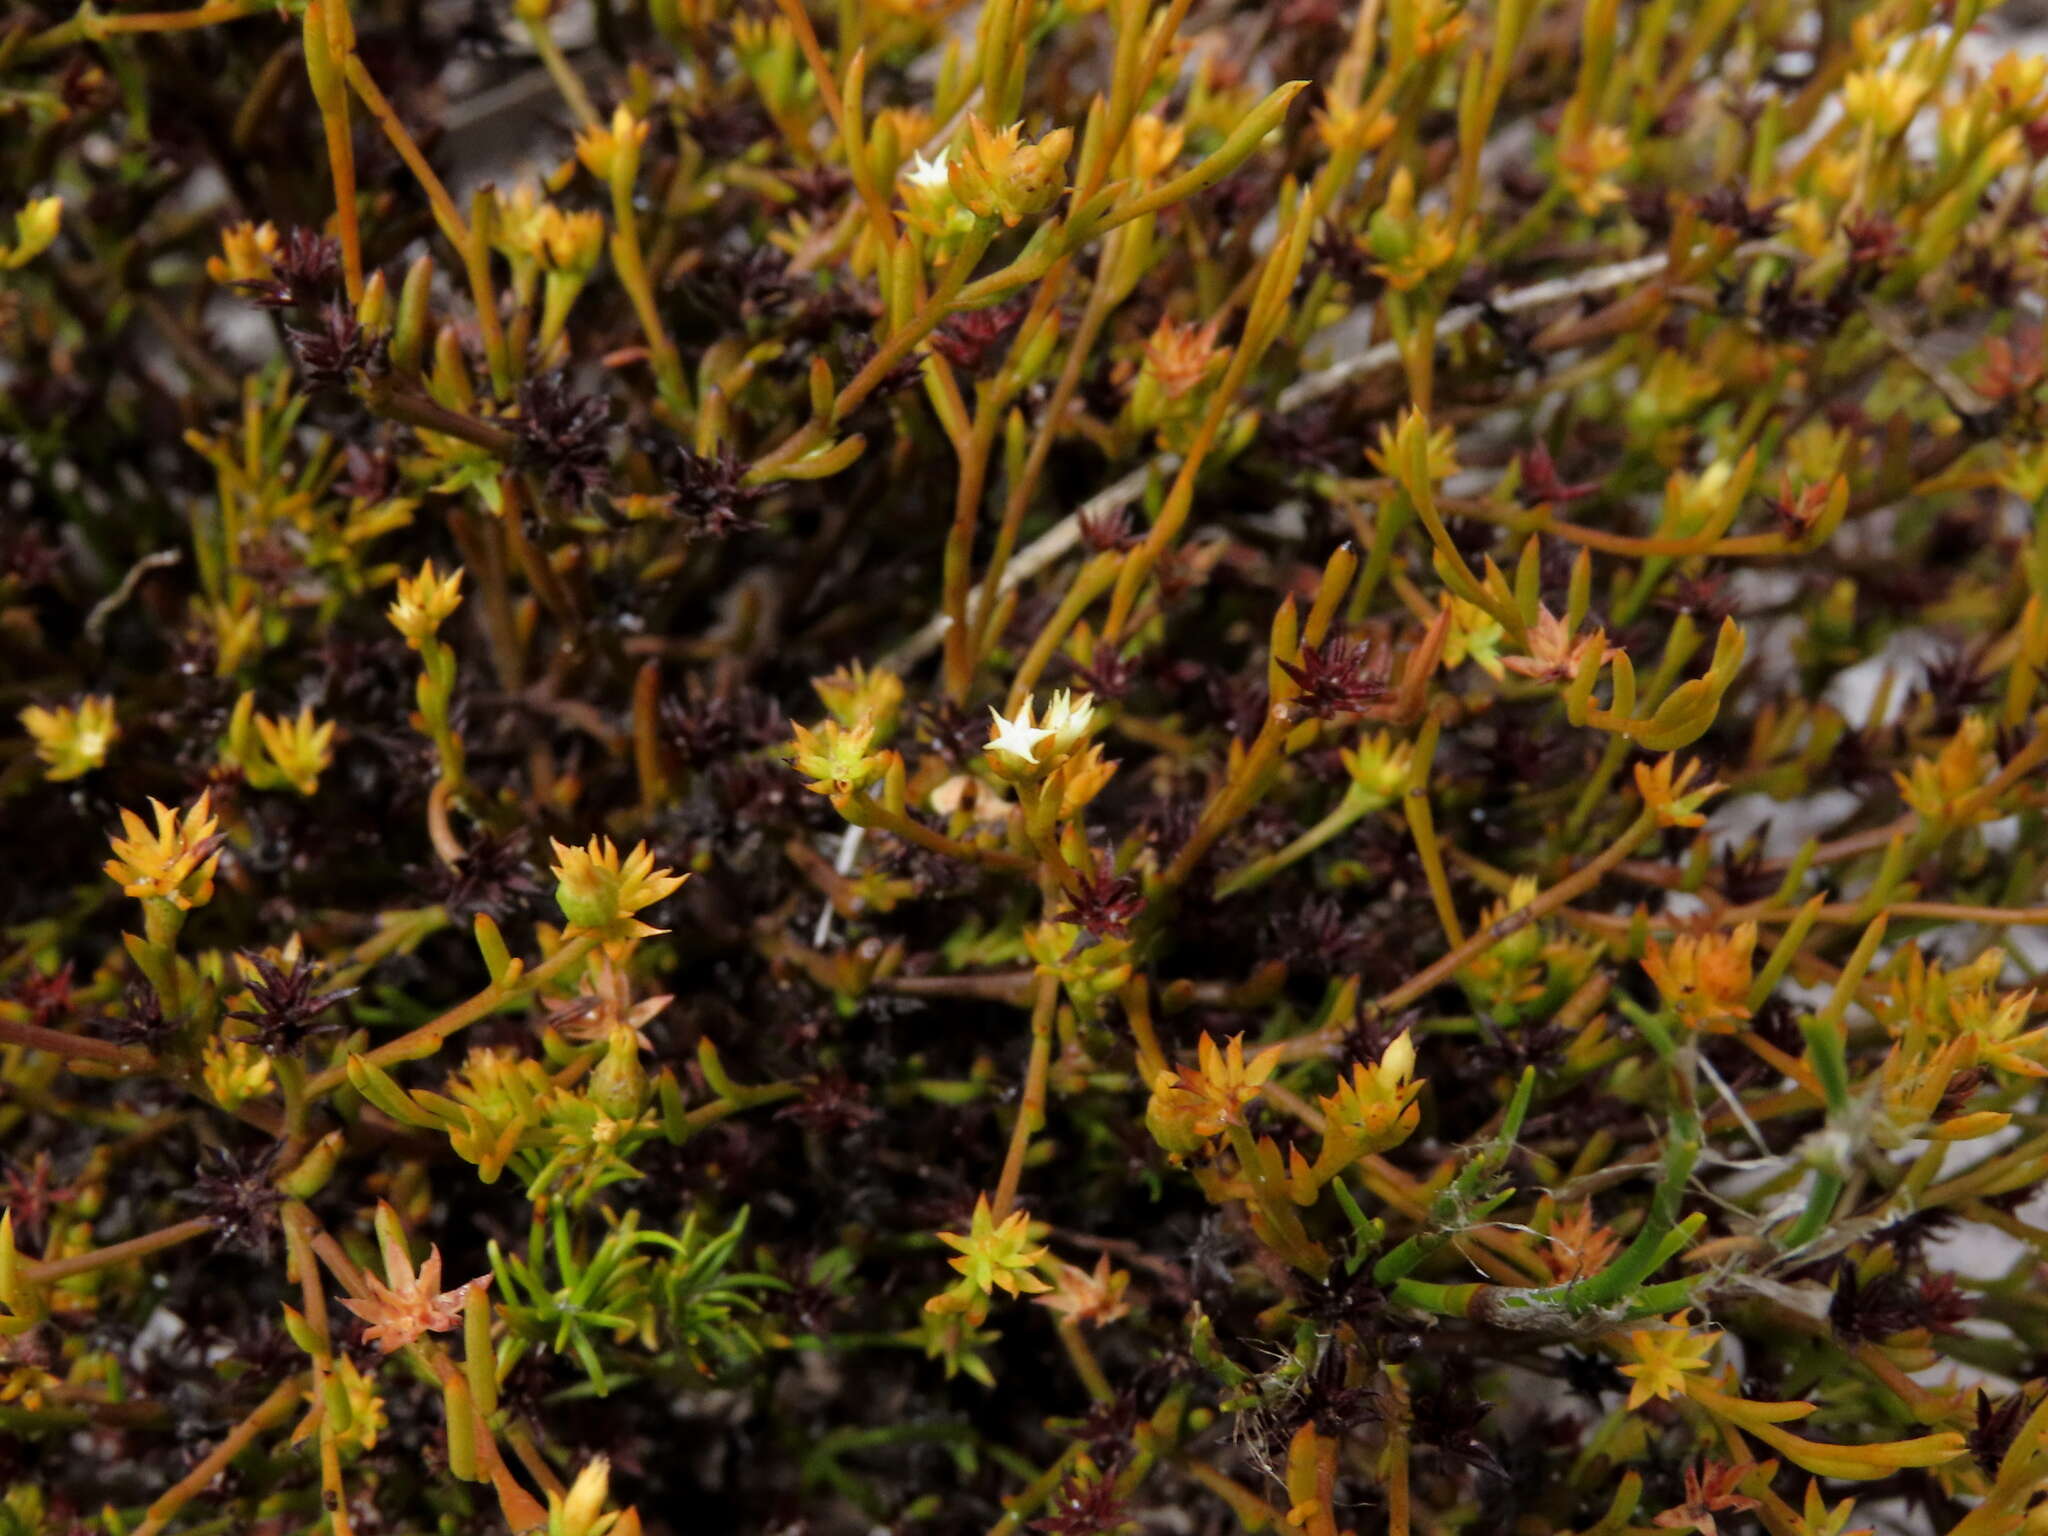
1031,1103
50,1270
1259,871
559,69
1565,891
58,1042
424,1041
872,813
266,1415
632,269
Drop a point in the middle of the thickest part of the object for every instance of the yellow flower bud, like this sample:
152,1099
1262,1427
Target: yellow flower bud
857,696
581,1511
612,153
234,1071
245,252
618,1085
570,242
1588,163
35,227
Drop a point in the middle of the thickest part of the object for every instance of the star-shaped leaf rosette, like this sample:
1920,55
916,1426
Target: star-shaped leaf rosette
993,1256
599,892
407,1303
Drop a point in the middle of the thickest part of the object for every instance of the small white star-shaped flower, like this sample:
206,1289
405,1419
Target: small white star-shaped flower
1068,717
930,174
1019,738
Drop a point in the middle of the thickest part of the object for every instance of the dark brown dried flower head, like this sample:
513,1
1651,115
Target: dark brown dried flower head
708,492
495,876
141,1020
305,273
1447,1417
1730,208
1709,599
1338,677
1997,1425
1109,529
29,1196
289,1008
859,351
239,1196
1104,903
1873,241
1540,482
834,1103
28,556
1109,674
46,995
1082,1507
369,474
755,282
1869,1313
707,721
970,341
332,355
562,436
